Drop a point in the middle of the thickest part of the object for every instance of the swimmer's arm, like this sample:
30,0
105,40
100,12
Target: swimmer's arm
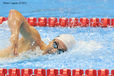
14,38
48,47
14,26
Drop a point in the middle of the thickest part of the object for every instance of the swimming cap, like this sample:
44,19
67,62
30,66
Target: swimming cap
67,39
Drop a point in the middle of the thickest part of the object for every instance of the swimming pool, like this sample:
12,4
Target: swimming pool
94,46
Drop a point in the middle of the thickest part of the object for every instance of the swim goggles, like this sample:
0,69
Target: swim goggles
59,51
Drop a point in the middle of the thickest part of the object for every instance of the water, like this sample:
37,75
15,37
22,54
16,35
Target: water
94,46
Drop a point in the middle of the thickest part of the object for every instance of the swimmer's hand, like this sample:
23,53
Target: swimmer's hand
50,50
15,51
14,45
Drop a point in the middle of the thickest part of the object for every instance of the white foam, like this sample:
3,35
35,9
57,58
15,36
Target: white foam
23,56
87,47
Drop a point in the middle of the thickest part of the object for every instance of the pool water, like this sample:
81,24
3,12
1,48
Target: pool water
94,46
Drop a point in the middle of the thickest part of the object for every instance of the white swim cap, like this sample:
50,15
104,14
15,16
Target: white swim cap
67,39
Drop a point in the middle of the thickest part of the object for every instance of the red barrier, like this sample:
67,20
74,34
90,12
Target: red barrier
26,72
112,72
103,72
105,22
73,22
112,22
2,19
91,72
63,22
39,72
14,72
65,72
84,22
55,72
3,71
94,22
42,21
52,72
32,21
52,22
77,72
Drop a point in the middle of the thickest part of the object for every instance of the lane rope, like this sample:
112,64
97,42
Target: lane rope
67,22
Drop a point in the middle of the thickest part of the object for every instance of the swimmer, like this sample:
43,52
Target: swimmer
31,38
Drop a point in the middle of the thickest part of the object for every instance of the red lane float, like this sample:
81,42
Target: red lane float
103,72
2,19
105,22
112,72
73,22
32,21
55,72
52,72
77,72
52,22
42,21
91,72
112,22
65,72
39,72
84,22
94,22
3,72
63,22
14,72
26,72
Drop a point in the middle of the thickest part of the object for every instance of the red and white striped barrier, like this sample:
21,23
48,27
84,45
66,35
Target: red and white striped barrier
73,22
94,22
77,72
39,72
26,72
55,72
52,22
103,72
112,72
42,22
65,22
52,72
3,72
91,72
14,72
32,21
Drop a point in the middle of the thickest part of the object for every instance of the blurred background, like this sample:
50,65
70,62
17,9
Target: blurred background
59,8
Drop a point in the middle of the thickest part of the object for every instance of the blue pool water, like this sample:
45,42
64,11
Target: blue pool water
94,46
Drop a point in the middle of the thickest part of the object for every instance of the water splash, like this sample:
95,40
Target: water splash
93,49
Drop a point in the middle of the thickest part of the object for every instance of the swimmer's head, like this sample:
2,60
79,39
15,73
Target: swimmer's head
60,44
55,46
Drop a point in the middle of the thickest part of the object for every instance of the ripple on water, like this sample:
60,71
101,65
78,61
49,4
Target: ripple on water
93,49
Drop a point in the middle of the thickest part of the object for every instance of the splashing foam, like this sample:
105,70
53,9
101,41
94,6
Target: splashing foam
87,47
82,47
23,56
